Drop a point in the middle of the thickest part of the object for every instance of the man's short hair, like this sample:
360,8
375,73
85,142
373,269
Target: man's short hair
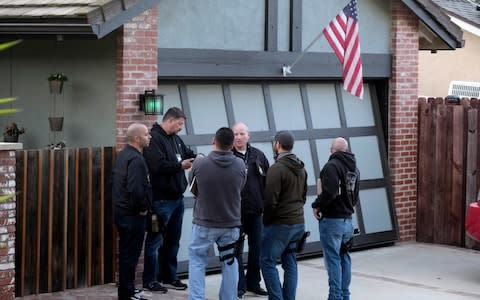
224,138
286,139
174,113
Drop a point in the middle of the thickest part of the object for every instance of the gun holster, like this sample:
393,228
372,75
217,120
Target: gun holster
301,242
236,249
347,246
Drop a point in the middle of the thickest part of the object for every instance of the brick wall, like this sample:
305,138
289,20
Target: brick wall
7,225
136,70
403,117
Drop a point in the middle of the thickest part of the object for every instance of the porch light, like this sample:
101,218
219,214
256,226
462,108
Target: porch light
151,103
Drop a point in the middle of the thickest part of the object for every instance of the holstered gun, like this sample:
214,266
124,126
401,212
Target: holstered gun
301,242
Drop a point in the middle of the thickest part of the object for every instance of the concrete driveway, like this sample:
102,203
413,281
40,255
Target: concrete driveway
404,271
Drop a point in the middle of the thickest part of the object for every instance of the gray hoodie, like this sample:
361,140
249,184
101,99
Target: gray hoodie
220,178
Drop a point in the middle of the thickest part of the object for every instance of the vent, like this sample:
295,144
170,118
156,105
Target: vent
464,89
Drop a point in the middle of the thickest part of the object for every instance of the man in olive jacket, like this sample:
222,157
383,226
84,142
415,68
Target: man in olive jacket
284,223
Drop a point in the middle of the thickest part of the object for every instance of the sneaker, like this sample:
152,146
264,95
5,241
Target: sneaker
258,291
138,292
137,297
176,285
155,286
240,294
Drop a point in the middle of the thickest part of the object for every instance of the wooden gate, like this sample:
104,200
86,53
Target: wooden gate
65,235
448,160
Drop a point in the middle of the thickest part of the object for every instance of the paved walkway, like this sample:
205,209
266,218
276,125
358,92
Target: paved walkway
405,271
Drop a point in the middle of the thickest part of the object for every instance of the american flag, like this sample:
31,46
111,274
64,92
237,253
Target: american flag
342,35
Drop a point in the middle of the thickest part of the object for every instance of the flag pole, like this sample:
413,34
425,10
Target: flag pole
288,69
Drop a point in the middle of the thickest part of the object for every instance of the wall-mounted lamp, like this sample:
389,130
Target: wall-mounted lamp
151,103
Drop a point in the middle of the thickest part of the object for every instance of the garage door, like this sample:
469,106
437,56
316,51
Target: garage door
316,113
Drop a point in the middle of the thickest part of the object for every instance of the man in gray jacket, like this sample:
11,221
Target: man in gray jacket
218,180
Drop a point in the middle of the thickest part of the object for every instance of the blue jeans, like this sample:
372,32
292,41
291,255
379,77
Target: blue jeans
334,232
252,225
279,242
161,248
202,240
131,231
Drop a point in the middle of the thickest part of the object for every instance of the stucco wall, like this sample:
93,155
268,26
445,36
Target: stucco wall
436,70
240,25
88,99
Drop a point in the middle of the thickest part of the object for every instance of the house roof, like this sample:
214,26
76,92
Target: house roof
437,32
465,13
68,17
462,9
100,17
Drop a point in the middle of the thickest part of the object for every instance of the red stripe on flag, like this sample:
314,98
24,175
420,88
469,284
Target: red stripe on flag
342,35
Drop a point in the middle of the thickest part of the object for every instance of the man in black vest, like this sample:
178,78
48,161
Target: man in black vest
252,210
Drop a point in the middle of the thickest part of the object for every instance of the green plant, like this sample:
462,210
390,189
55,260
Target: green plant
12,129
58,76
7,45
6,111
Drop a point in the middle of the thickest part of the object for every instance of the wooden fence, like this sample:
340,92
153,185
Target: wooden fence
448,160
65,235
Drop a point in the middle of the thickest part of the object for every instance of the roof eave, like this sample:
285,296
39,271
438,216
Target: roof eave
450,34
97,23
43,29
102,29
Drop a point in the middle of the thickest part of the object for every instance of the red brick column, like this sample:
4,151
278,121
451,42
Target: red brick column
7,225
136,70
403,117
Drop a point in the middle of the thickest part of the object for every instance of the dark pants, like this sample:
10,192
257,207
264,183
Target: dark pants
131,232
252,226
161,258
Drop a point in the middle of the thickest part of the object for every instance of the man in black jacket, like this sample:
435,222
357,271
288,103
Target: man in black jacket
167,159
334,208
132,196
252,209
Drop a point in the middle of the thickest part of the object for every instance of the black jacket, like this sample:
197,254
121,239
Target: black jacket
131,189
166,173
333,201
253,192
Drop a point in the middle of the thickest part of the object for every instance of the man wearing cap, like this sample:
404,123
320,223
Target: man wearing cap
283,218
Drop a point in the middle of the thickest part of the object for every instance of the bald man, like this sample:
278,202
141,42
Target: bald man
132,195
252,209
334,208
